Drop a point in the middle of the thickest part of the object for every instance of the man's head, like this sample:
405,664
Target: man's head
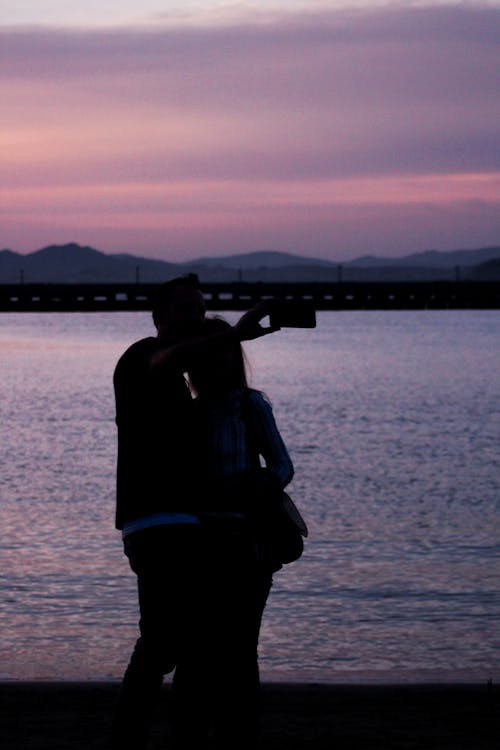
179,308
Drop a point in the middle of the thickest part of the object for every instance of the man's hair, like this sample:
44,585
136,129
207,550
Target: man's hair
166,291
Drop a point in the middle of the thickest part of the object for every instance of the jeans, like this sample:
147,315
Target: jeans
201,599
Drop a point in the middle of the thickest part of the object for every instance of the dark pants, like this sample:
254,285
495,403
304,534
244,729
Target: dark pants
236,591
201,598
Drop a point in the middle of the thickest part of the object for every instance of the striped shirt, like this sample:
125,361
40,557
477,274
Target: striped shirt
235,431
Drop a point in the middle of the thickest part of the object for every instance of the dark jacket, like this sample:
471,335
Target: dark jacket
154,471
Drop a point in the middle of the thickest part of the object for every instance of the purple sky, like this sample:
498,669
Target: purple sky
327,133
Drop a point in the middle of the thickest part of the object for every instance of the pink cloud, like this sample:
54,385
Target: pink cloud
130,133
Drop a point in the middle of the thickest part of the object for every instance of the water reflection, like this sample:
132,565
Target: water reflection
393,422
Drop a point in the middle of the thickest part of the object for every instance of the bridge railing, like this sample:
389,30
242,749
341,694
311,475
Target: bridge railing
242,295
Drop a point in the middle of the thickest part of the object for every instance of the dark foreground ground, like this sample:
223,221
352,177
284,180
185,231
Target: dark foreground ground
75,716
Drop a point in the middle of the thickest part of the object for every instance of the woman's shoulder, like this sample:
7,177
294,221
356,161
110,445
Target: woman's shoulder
258,399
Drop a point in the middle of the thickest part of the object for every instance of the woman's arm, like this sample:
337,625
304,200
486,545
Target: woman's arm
267,438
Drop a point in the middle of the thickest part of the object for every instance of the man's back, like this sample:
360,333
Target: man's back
153,420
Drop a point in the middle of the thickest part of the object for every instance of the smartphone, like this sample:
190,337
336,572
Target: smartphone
293,314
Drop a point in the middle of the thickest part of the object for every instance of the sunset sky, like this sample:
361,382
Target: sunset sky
183,129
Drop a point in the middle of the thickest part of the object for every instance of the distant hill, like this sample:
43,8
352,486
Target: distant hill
431,259
73,263
489,271
260,259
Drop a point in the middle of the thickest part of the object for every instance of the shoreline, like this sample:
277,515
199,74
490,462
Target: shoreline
410,716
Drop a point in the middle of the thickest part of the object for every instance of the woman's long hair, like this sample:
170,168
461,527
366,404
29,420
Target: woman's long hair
224,368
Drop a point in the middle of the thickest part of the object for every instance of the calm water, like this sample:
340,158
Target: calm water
393,423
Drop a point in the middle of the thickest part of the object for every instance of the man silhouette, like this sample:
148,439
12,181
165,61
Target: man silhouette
156,504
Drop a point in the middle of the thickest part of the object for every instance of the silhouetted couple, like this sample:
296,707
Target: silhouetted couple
188,472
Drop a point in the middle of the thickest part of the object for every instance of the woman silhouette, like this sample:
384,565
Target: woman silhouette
243,458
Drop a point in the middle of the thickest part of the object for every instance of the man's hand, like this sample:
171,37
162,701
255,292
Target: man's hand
249,325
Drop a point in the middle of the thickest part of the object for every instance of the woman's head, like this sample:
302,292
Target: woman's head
224,368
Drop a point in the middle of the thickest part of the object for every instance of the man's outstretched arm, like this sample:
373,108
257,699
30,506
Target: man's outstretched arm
249,327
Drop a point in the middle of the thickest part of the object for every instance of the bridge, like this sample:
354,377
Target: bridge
340,295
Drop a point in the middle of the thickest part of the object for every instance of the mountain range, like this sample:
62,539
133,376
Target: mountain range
73,263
